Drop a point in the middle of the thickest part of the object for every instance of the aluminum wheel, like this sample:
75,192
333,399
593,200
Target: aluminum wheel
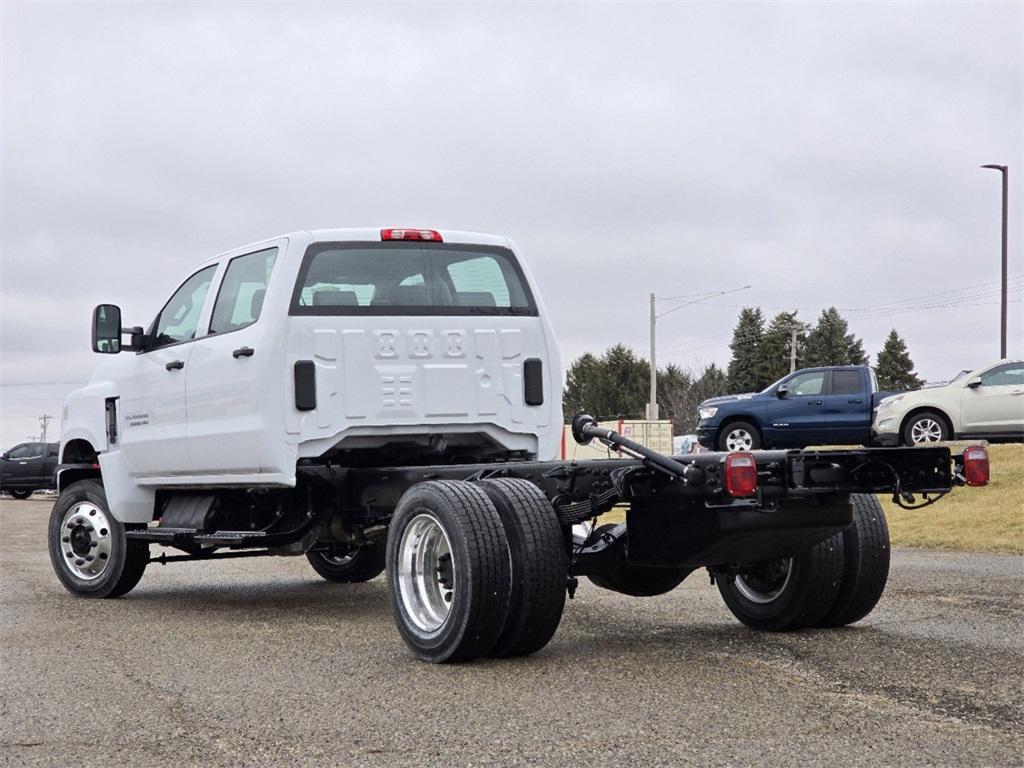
765,581
86,540
739,440
426,573
925,431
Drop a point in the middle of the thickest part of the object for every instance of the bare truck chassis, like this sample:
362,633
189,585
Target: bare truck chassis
776,529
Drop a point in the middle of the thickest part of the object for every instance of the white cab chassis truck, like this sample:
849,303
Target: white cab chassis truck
389,400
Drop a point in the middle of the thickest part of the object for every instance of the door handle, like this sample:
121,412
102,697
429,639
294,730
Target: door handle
175,365
1018,392
858,400
814,402
243,352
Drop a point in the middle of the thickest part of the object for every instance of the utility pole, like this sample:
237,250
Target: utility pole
793,331
1005,171
44,420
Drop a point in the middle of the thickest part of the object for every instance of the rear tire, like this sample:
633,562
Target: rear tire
539,566
866,563
774,597
350,565
448,571
89,551
739,436
20,493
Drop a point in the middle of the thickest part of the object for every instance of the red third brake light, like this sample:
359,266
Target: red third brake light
976,465
740,474
411,234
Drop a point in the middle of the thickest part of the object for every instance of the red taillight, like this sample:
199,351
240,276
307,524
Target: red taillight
410,234
740,474
976,465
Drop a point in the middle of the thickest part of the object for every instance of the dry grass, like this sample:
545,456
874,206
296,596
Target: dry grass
989,519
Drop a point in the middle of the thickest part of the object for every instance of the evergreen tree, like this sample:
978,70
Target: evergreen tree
773,355
895,369
746,342
615,384
830,343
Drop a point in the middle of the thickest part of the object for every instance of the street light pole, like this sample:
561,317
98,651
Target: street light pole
652,404
1005,171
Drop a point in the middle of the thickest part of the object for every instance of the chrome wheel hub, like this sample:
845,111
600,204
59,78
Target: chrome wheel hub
765,581
86,541
926,431
739,440
426,573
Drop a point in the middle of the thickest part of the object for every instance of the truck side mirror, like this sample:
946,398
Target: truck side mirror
106,329
975,382
782,391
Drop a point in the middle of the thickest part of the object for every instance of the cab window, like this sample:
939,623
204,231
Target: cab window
240,298
23,451
179,318
845,382
1004,375
811,383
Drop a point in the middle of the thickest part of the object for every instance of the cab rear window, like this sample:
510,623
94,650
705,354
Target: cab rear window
399,278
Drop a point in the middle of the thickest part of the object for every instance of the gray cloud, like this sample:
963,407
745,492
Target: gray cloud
826,154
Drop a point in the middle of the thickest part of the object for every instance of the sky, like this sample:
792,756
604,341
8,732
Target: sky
825,154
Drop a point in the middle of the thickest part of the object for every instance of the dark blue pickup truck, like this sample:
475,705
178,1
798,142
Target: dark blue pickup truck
813,406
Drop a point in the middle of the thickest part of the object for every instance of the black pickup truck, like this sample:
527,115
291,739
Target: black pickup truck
29,467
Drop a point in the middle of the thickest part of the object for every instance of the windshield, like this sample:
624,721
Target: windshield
397,278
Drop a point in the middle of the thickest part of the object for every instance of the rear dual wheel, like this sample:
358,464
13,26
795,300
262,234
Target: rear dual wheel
836,582
475,569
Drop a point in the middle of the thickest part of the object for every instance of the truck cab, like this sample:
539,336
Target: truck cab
812,406
364,346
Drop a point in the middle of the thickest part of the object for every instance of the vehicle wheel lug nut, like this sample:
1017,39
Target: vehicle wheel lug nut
103,555
93,544
66,539
79,562
88,557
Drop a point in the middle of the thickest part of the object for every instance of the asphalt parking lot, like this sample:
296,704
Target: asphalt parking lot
259,662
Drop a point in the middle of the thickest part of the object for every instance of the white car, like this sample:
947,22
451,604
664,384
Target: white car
986,403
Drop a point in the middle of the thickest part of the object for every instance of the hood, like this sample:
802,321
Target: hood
729,398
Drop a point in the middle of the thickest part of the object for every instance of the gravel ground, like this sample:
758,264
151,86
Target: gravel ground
259,662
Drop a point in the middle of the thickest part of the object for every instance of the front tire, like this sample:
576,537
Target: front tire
787,594
89,551
925,427
739,436
448,570
350,565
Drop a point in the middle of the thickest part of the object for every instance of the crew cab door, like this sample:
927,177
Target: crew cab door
797,418
996,404
847,408
152,404
231,376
